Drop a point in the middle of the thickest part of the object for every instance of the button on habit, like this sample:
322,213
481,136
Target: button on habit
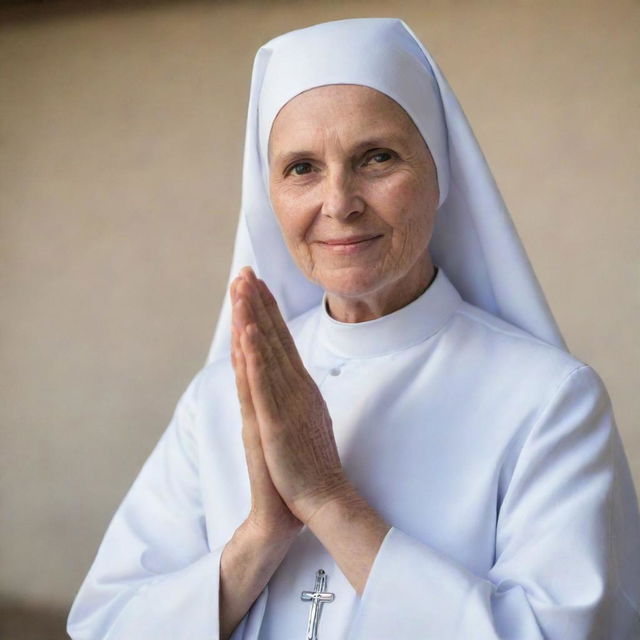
335,371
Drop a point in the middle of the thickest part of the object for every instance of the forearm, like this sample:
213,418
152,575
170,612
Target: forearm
352,532
247,563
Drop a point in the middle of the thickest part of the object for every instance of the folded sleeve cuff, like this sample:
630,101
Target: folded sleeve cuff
414,592
157,609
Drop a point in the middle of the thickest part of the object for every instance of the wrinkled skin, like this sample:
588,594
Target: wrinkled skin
291,453
347,162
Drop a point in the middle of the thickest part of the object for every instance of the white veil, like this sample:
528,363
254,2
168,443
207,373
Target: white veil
474,239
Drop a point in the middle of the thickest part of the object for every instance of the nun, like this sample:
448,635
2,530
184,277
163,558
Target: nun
390,440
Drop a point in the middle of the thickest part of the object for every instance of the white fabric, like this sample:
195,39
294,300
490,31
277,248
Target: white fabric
474,240
492,454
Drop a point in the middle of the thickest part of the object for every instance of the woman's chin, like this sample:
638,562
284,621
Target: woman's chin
351,283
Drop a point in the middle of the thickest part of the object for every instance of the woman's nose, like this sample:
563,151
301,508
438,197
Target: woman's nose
341,199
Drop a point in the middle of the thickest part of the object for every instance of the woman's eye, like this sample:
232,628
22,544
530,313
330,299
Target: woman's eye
379,157
300,168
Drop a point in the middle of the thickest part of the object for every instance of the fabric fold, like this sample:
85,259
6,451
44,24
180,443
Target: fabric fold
558,533
154,576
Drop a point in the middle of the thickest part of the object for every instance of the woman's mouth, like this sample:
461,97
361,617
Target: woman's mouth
350,244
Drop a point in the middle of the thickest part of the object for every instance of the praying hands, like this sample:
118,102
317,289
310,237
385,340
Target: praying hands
287,430
294,469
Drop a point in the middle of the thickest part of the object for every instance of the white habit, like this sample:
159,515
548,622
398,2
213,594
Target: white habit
493,455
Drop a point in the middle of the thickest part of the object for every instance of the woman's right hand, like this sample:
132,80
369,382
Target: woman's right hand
269,519
261,542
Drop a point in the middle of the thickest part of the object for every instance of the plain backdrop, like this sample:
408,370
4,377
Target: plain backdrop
121,133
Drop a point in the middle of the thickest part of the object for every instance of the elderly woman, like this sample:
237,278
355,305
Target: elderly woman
398,438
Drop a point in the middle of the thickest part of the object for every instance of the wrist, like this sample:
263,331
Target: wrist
258,534
338,494
251,556
247,563
352,531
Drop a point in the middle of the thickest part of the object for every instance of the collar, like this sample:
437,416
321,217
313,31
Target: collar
414,323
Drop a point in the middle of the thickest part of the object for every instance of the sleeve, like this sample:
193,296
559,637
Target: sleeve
566,566
154,576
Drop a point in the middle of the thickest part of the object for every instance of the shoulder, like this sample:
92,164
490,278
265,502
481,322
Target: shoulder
549,385
509,349
525,375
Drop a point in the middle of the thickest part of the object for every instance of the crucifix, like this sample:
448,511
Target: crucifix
317,597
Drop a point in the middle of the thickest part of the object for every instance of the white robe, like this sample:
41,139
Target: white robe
493,455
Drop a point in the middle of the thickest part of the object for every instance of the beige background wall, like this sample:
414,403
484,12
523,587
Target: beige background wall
121,132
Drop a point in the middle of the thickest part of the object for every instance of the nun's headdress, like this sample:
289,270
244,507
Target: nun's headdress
474,240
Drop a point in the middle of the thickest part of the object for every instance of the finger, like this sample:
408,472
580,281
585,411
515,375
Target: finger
243,312
233,294
241,289
269,368
252,313
268,308
271,323
240,318
259,477
251,439
265,305
281,329
235,344
240,370
244,305
233,289
267,385
234,362
261,347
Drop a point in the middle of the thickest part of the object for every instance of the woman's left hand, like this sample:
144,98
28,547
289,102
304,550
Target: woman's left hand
295,426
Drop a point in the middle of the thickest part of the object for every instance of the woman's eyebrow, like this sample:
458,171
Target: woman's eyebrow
286,157
289,156
377,142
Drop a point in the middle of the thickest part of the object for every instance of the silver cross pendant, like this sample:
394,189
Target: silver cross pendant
317,597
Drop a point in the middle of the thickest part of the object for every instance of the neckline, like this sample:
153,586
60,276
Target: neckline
410,325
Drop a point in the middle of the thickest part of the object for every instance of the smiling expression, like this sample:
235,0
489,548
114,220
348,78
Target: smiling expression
355,191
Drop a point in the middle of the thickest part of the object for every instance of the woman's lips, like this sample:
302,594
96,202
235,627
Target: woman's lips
352,244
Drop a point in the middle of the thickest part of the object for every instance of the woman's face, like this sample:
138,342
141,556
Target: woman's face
354,189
